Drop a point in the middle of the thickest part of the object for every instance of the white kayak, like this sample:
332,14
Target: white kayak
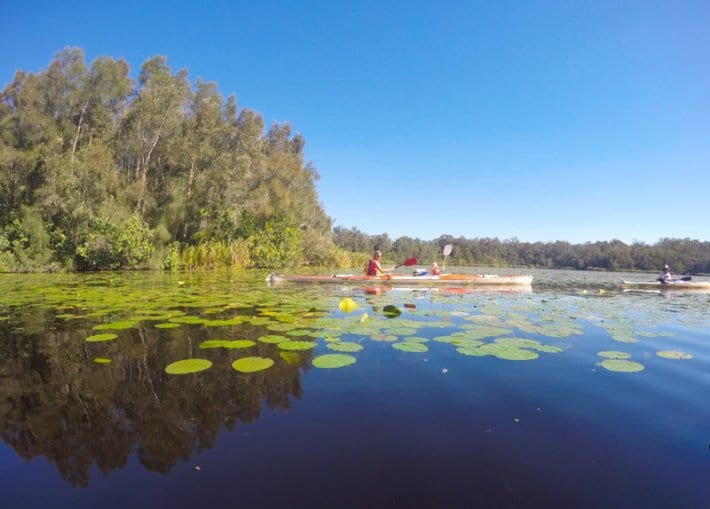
674,284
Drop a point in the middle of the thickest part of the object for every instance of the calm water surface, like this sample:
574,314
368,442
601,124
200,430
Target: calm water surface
454,398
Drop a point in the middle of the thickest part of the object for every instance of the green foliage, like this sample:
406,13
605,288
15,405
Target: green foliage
276,245
114,246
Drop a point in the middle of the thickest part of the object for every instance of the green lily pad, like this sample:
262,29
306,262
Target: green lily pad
272,339
101,360
291,358
333,360
297,345
252,364
391,311
221,343
167,325
411,347
472,351
101,337
622,366
344,346
673,354
187,366
507,352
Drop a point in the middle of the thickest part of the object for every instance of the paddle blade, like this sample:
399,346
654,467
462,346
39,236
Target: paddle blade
686,278
407,262
447,249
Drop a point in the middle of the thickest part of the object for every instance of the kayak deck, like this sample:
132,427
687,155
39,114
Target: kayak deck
443,279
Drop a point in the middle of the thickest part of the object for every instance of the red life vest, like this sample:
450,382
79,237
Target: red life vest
372,267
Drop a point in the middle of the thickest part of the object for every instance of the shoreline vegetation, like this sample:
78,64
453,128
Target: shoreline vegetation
100,172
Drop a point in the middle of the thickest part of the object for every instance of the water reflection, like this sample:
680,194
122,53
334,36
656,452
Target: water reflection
57,403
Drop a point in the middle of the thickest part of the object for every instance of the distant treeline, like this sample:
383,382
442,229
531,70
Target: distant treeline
682,255
100,172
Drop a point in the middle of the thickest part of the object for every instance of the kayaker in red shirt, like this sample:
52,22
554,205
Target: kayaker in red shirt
373,266
434,270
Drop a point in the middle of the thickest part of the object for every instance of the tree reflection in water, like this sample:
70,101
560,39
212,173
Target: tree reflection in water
56,403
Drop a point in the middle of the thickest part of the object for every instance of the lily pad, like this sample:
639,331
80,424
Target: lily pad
272,339
101,337
622,366
187,366
252,364
296,345
101,360
508,353
333,360
344,346
167,325
411,347
221,343
673,354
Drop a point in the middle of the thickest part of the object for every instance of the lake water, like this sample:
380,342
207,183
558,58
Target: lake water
571,394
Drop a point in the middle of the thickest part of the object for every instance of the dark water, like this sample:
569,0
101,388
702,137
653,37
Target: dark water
394,429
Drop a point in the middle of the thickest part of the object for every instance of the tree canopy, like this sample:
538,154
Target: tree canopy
99,171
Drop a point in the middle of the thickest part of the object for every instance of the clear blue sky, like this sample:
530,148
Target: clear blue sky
541,120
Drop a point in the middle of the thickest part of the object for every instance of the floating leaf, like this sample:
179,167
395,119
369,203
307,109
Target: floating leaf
101,360
221,343
101,337
509,353
471,351
333,360
344,346
391,311
613,354
673,354
290,357
187,366
297,345
622,366
252,364
272,339
347,305
411,347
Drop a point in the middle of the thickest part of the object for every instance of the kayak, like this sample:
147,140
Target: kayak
395,279
670,285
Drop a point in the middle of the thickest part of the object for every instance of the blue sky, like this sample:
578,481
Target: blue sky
541,120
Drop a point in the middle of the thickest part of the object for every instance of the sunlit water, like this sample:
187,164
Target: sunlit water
453,423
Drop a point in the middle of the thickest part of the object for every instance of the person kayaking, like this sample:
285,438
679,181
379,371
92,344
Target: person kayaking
434,270
665,275
373,266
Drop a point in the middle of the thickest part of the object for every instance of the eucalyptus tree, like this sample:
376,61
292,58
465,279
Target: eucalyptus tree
154,115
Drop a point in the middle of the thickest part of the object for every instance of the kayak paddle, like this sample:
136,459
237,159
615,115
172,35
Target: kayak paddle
665,281
446,252
408,262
